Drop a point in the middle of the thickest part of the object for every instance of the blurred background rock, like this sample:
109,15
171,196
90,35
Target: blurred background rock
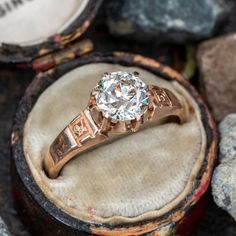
176,21
3,229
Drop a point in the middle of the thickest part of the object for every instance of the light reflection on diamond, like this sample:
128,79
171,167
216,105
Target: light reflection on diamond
121,96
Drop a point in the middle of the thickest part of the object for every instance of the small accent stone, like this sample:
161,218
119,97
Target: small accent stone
77,129
121,96
80,129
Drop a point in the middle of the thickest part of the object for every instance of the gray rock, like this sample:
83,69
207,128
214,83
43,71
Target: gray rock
224,177
3,228
166,20
228,139
216,61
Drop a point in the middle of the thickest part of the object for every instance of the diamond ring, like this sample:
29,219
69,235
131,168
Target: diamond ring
120,103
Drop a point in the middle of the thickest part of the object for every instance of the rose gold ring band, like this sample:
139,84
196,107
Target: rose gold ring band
89,129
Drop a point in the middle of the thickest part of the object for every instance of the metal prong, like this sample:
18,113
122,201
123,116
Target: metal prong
105,73
135,124
105,125
92,100
136,73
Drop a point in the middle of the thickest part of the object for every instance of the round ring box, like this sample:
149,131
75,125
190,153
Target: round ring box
41,34
153,182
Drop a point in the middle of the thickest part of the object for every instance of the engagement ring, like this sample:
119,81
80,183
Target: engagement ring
120,103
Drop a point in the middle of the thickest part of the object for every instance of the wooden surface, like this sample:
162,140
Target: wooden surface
12,86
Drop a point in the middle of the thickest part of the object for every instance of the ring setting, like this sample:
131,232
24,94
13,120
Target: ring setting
121,96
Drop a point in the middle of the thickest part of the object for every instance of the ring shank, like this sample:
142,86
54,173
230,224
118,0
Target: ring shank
83,133
80,135
165,104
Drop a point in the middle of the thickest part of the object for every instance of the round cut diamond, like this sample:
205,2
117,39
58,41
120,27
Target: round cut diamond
121,96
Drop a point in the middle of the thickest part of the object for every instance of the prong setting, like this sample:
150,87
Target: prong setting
121,96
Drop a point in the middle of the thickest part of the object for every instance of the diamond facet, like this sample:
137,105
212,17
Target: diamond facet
121,96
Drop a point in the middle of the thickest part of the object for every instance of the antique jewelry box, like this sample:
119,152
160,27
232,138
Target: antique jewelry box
153,182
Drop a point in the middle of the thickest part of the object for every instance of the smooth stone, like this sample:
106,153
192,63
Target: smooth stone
228,139
3,228
216,61
224,177
166,21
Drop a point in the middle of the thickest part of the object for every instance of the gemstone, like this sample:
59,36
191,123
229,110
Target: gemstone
121,96
78,129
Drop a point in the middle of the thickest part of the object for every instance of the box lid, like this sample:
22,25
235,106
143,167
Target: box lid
32,29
